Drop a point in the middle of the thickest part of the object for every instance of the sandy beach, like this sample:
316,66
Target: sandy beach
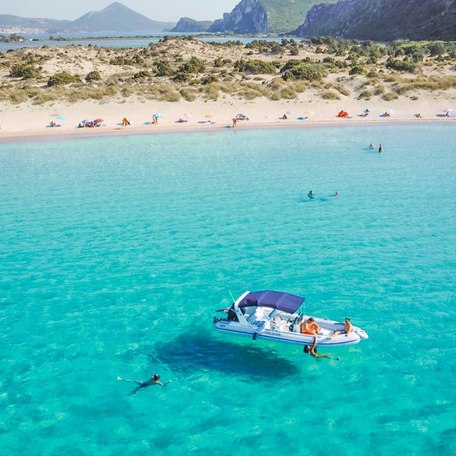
28,122
207,85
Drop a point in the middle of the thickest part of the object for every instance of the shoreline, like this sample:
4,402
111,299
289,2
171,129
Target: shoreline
58,134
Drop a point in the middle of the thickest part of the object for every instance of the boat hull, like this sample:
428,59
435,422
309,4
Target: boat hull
230,327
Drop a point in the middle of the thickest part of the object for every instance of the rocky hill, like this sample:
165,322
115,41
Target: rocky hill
114,18
264,16
383,20
118,18
188,25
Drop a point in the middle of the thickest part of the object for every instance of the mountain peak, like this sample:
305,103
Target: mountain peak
117,17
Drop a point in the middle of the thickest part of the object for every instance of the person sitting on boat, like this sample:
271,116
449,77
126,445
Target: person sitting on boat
348,327
310,327
312,351
231,313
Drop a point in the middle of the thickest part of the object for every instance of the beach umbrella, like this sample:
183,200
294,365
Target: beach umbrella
98,120
208,116
157,115
60,117
367,110
390,111
447,110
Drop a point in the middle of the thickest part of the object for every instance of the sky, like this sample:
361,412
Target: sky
157,10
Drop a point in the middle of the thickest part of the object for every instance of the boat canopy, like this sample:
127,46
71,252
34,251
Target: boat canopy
274,299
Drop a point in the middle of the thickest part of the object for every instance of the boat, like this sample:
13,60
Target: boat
277,316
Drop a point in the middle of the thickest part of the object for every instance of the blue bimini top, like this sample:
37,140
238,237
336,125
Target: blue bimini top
274,299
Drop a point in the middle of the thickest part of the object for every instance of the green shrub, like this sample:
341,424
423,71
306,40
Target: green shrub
356,69
329,95
93,76
141,75
255,67
164,69
62,78
188,94
401,65
294,70
390,96
24,71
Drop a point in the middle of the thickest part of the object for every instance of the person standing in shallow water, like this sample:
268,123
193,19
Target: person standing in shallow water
310,194
380,148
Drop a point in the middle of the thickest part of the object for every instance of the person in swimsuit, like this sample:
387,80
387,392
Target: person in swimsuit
154,380
310,194
348,327
310,327
312,351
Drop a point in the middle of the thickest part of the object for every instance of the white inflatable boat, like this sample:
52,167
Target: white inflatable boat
274,315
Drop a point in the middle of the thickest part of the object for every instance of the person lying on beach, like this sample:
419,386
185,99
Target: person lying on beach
312,351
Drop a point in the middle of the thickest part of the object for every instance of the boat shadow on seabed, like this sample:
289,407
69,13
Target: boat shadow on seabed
190,352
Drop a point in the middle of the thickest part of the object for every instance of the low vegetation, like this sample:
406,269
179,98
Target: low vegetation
165,71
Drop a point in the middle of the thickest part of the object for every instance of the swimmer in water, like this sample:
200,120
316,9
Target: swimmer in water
337,195
154,380
312,351
380,148
371,146
310,194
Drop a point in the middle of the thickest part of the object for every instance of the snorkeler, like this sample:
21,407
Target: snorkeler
312,351
154,380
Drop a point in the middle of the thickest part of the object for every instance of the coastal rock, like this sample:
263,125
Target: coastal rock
264,16
382,20
188,25
249,16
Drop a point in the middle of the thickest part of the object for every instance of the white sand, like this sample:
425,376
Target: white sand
27,120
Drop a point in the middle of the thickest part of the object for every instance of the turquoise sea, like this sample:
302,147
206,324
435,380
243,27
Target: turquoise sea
115,254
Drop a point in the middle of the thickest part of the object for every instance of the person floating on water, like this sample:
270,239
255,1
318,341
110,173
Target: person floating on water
371,146
310,194
154,380
336,194
312,351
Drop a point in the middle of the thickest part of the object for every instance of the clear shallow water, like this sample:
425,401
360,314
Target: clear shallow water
116,252
126,42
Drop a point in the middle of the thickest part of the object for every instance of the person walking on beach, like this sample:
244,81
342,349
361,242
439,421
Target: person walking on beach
312,351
